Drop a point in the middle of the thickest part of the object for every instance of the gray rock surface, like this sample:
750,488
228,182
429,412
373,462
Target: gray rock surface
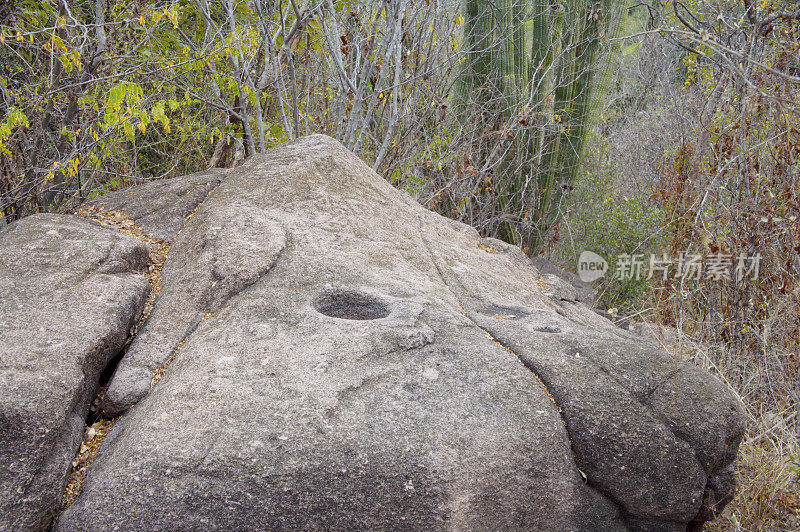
344,358
222,254
563,284
70,295
160,207
654,333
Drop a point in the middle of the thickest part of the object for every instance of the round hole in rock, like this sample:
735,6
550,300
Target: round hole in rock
351,305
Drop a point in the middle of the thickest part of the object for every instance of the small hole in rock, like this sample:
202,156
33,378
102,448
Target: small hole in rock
351,305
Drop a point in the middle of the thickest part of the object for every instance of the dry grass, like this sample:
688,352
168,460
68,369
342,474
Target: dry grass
768,495
768,492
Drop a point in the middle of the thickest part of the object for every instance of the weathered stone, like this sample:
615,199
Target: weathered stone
563,284
160,207
347,359
70,296
222,253
662,335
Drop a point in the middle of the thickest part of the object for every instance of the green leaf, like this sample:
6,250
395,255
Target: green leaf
116,94
628,50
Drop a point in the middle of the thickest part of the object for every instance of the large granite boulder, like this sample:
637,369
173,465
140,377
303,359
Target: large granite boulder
70,293
341,358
